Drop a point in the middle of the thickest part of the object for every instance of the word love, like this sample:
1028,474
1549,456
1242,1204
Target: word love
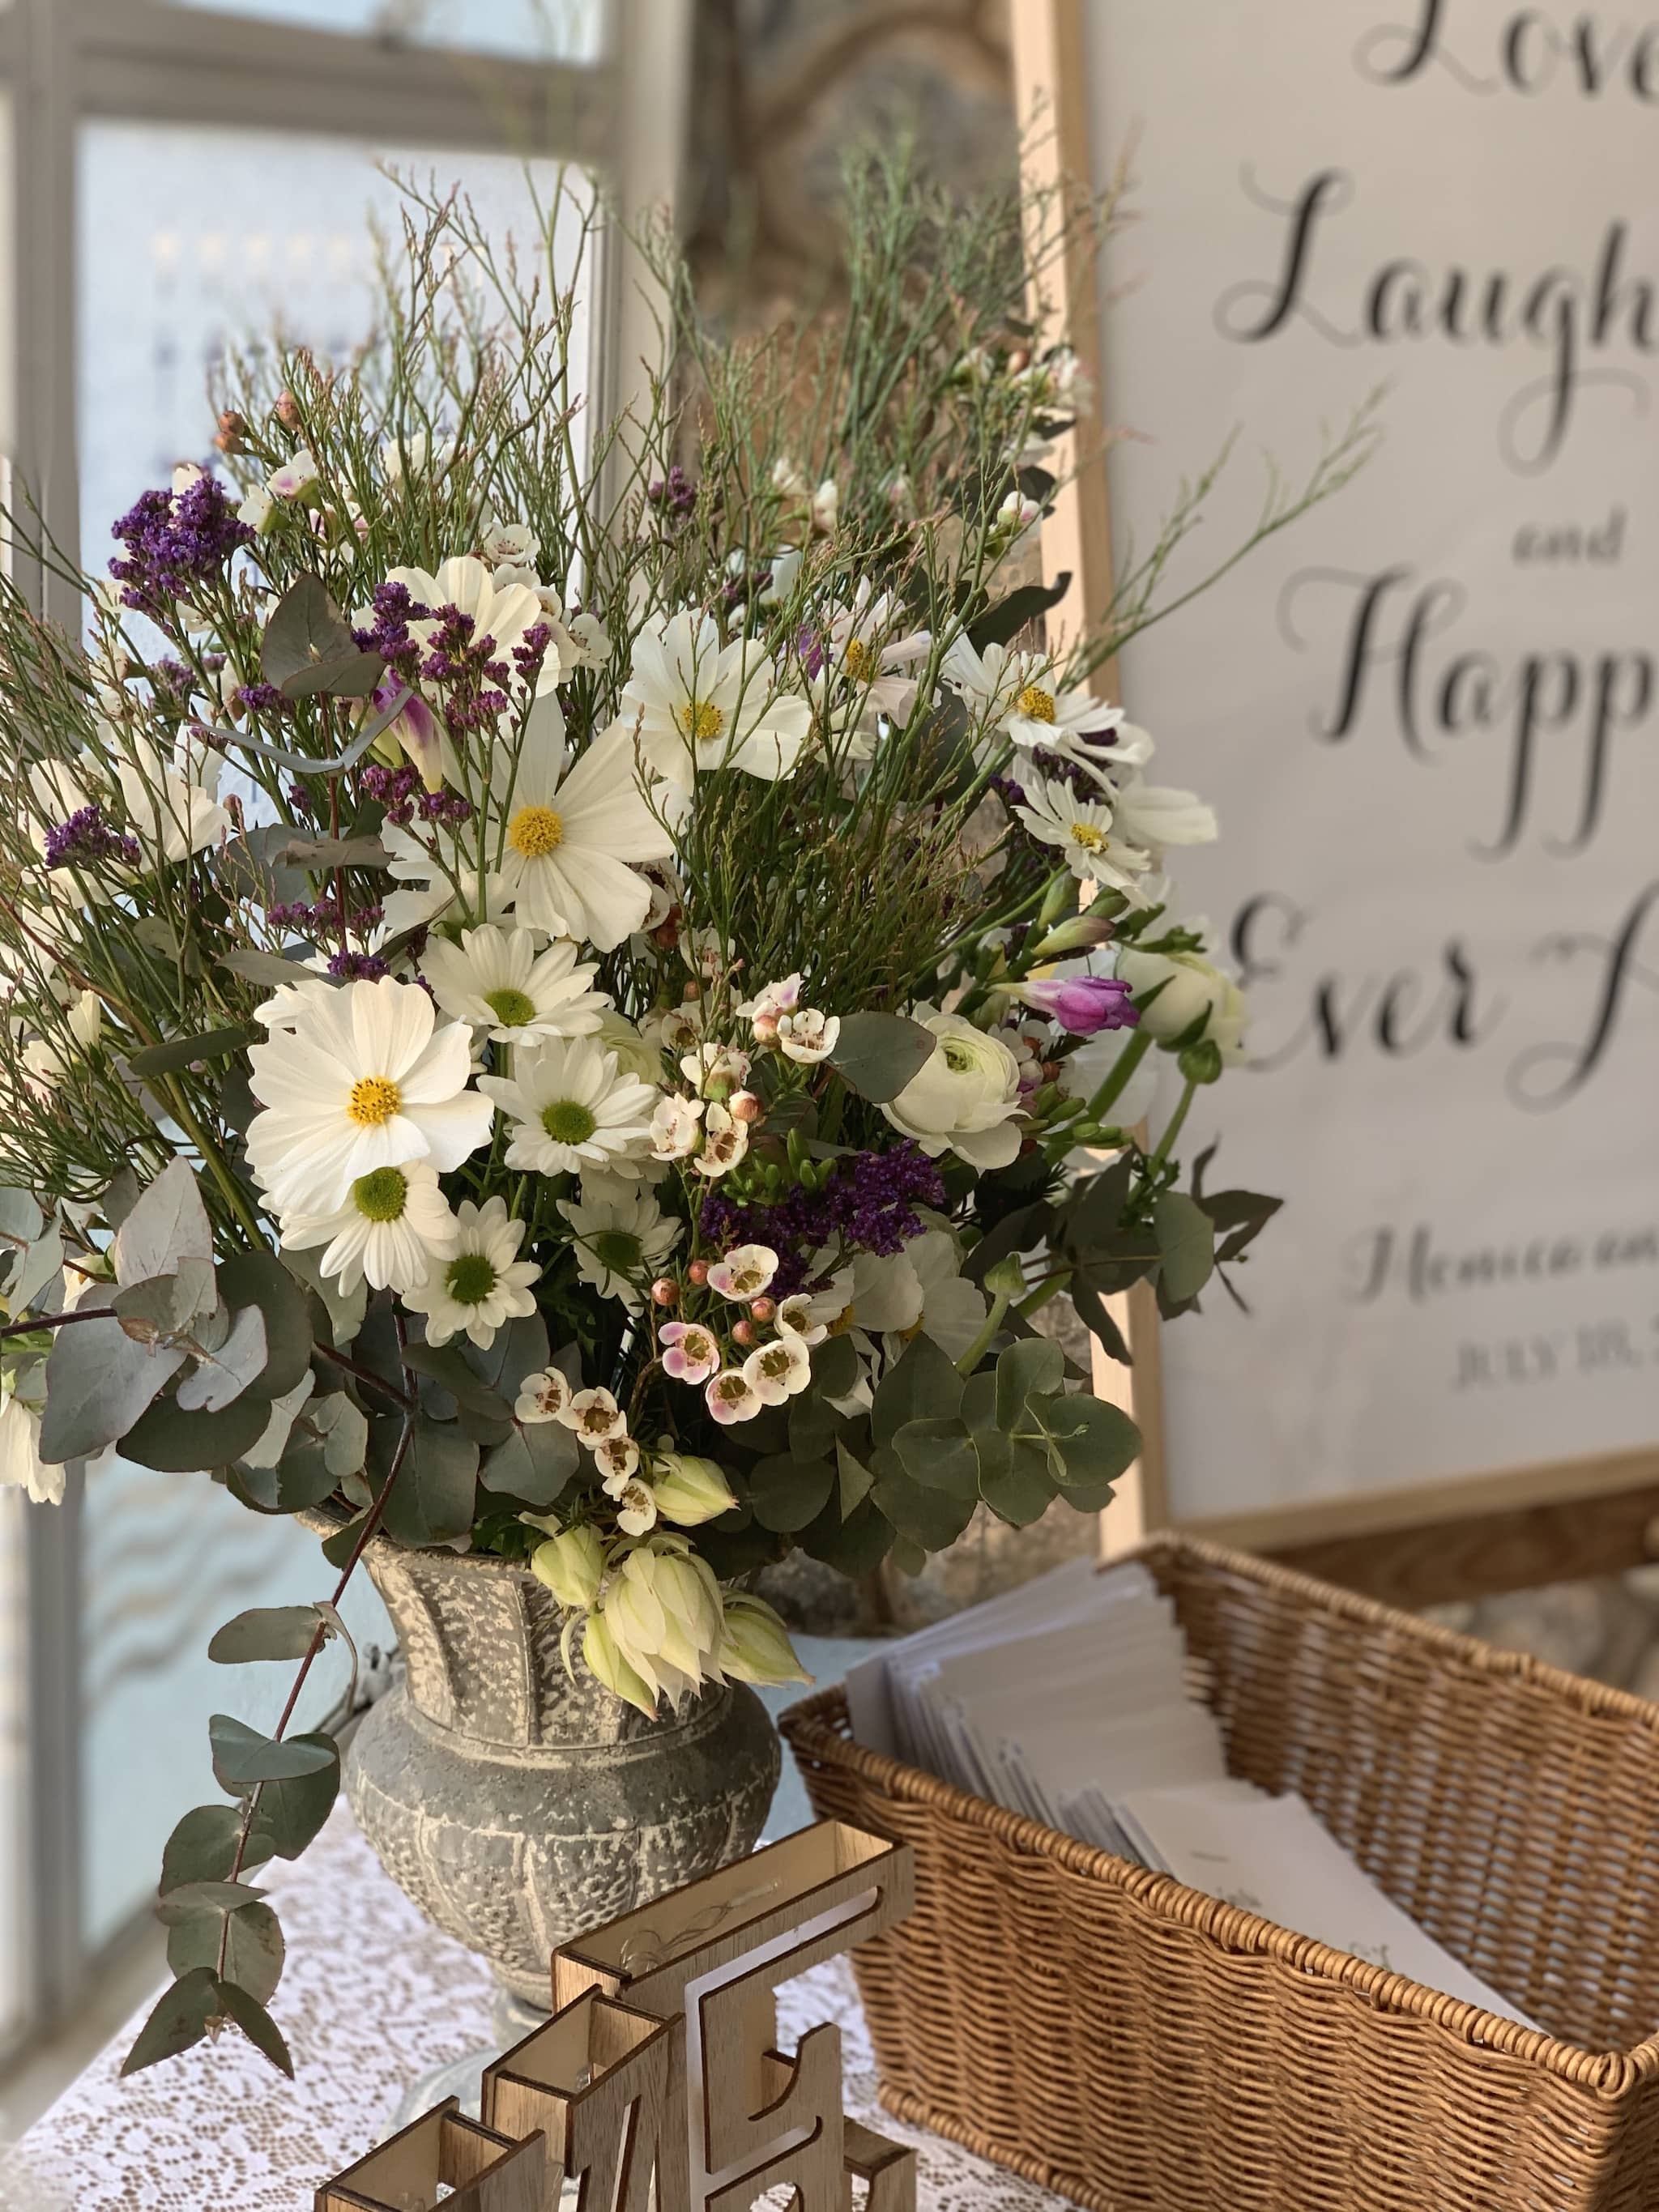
1553,721
1532,53
1568,318
657,2085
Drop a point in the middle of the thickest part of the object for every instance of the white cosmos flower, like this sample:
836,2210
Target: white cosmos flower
963,1098
864,658
952,1309
700,705
568,835
1156,815
21,1464
495,980
581,641
1018,693
504,612
1086,830
572,1109
428,869
621,1235
172,800
484,1283
395,1223
363,1080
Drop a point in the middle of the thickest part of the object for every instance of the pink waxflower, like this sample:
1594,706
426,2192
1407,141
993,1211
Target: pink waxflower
693,1353
745,1272
732,1397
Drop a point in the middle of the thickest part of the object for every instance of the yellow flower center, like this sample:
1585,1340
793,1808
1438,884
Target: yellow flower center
1036,704
860,661
535,831
1091,839
374,1101
700,722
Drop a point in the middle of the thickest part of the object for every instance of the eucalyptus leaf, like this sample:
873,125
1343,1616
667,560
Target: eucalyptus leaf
179,2019
264,1632
877,1055
190,1898
345,1310
1033,1368
1021,1490
40,1267
203,1847
321,853
856,1544
307,647
175,1440
169,1224
99,1384
243,1756
221,1378
259,1278
518,1350
932,1518
1028,602
444,1364
432,1500
1094,1440
344,1430
786,1493
924,1386
290,1812
255,967
256,2024
1186,1239
189,1051
248,1938
939,1455
853,1480
21,1218
302,1478
272,1442
534,1463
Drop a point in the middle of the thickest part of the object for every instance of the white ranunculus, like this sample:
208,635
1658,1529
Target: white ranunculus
1192,987
963,1098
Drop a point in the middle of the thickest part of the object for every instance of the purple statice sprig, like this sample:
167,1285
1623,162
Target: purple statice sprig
394,607
867,1203
86,841
399,791
175,541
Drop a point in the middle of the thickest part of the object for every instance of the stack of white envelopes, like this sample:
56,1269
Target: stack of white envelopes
1066,1699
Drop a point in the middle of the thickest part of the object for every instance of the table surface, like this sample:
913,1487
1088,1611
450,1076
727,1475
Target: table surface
372,1997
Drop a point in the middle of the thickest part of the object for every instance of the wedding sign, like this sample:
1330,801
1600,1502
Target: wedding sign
1427,715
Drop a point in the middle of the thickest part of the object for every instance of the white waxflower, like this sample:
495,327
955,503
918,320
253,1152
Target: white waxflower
413,454
710,1064
618,1458
394,1225
171,800
808,1037
724,1143
1086,829
731,1396
963,1098
572,1109
543,1396
510,544
595,1416
483,1285
676,1128
778,1370
699,705
744,1273
495,978
621,1236
636,1507
21,1464
257,510
1188,985
294,477
870,658
363,1080
568,834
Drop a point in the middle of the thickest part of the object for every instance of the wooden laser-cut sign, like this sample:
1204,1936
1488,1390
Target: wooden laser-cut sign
658,2073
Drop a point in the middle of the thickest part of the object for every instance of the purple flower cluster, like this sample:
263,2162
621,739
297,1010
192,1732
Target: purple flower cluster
86,839
675,491
357,968
175,541
395,607
323,917
867,1204
398,790
261,699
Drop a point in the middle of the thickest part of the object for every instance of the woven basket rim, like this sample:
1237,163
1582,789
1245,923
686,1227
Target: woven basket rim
811,1727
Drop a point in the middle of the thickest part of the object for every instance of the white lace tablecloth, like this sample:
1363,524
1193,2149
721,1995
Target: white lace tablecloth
372,1997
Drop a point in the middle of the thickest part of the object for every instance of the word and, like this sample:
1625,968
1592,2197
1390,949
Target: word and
1567,316
1532,51
1568,544
1393,638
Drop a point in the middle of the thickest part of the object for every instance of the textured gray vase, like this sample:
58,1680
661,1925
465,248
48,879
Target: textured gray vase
518,1807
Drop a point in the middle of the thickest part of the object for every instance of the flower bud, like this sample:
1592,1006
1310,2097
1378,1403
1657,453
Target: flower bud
1201,1062
755,1645
763,1309
742,1332
664,1291
766,1028
233,429
745,1106
698,1271
288,410
689,1491
572,1565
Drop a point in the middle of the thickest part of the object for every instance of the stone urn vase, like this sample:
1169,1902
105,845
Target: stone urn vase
519,1805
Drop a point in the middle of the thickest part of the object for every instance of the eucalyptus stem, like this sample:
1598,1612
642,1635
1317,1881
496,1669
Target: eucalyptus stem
1166,1141
1118,1081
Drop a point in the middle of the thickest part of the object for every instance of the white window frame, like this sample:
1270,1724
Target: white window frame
63,64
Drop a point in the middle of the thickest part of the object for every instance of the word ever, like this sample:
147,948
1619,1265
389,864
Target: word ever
1565,316
1544,702
1533,52
656,2086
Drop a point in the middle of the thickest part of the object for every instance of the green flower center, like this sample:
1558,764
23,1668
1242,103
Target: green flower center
511,1008
471,1278
568,1122
957,1055
382,1195
617,1250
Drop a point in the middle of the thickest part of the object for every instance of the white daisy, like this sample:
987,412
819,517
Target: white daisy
700,705
1086,830
621,1236
363,1080
394,1224
493,979
568,835
484,1283
874,666
572,1109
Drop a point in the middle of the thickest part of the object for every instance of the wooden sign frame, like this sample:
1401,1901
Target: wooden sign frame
1456,1536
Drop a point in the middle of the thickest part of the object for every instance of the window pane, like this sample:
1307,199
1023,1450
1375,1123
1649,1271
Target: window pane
544,30
191,237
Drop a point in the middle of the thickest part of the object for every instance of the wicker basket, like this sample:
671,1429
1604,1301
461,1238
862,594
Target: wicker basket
1130,2043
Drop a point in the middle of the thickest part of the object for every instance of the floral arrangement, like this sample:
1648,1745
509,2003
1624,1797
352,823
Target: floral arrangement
574,988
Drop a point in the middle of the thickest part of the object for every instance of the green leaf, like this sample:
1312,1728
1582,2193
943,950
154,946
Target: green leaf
308,648
1094,1441
290,1814
1092,1310
259,1278
264,1632
219,1379
939,1455
518,1350
40,1267
877,1055
243,1756
786,1493
256,2024
203,1847
1033,1368
1021,1490
187,1051
344,1431
1028,603
302,1478
932,1518
169,1224
268,967
167,1303
1095,1209
853,1480
924,1386
444,1364
321,853
1021,1229
338,1547
835,1368
99,1382
175,1440
179,2020
21,1217
345,1314
432,1500
1186,1239
251,1941
854,1546
534,1463
192,1898
813,1424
